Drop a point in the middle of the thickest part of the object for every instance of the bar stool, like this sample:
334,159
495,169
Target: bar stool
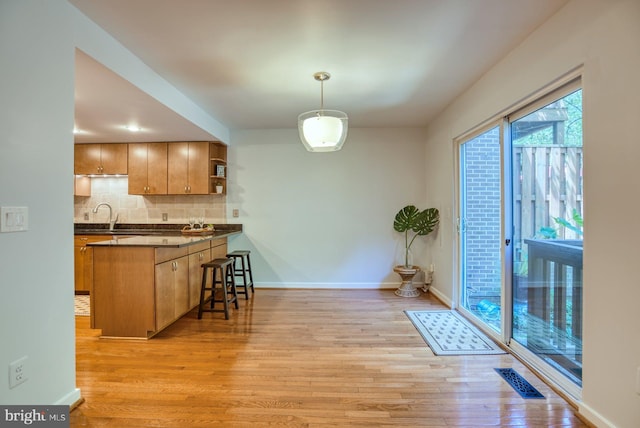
243,271
227,286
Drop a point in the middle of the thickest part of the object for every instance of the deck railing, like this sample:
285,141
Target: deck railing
554,288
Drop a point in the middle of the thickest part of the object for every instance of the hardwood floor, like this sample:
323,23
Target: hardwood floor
301,358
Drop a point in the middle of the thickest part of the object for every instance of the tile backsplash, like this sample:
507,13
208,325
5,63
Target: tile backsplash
145,209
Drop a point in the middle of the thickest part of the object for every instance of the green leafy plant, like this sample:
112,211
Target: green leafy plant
421,223
577,222
548,232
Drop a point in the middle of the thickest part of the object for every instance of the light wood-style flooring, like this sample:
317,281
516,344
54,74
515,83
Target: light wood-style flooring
301,358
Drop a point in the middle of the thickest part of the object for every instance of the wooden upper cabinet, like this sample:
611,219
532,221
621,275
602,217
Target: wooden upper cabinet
148,168
188,168
100,159
173,168
81,185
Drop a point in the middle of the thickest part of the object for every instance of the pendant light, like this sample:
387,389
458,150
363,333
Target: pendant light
323,130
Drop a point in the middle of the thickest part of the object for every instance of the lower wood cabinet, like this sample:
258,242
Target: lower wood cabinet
138,291
199,255
83,265
172,291
83,261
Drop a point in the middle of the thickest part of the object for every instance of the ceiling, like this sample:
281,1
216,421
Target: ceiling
250,63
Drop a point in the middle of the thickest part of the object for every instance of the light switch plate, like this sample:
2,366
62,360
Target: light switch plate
14,219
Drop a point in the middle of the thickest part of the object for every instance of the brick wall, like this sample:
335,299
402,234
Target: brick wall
482,170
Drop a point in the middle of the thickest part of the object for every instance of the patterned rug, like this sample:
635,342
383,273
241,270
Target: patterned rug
81,305
448,333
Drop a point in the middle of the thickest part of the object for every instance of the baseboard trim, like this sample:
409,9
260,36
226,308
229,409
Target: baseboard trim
438,295
590,416
76,404
72,399
328,285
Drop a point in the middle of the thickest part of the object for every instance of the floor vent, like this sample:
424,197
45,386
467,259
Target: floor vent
520,384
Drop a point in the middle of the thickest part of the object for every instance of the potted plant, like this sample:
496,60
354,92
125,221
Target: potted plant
420,223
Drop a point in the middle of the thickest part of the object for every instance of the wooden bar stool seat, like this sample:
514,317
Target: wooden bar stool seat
242,271
221,274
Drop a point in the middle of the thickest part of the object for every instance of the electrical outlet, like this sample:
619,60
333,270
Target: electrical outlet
86,216
165,216
18,372
236,212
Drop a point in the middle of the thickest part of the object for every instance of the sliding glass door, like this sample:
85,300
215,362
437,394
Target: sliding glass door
520,232
479,227
547,241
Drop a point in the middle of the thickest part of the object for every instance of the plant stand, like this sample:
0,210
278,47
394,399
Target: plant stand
407,288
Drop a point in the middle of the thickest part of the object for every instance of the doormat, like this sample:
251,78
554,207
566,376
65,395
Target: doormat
448,333
520,384
81,305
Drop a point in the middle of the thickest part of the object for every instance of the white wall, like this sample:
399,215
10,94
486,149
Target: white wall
325,219
38,39
36,164
605,37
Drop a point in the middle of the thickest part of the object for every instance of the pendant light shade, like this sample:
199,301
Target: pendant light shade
323,130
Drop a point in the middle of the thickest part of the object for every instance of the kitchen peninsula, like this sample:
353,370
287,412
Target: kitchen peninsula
143,283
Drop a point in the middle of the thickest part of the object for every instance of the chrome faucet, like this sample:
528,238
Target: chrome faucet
112,222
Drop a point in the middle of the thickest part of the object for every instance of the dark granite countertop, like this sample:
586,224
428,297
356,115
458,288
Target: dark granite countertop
152,235
143,229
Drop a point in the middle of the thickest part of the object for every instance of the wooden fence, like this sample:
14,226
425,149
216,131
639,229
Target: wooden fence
547,184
